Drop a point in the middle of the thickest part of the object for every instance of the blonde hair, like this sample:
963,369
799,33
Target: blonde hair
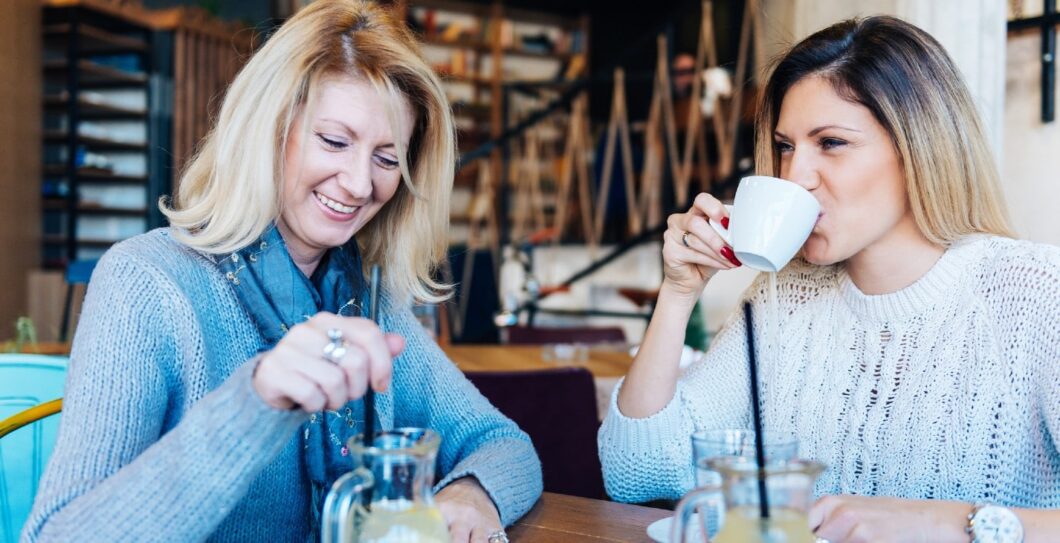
908,82
230,192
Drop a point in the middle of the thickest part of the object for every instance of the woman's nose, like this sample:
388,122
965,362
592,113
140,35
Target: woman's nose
803,170
356,179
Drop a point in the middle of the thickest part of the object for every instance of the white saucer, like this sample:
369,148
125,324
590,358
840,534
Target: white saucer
659,530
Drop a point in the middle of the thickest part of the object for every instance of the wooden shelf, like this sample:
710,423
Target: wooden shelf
61,240
88,209
53,204
95,109
457,44
465,109
95,143
518,51
486,48
96,175
59,204
478,81
95,74
95,40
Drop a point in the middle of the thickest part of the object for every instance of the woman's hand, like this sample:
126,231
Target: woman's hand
296,374
469,511
689,260
854,519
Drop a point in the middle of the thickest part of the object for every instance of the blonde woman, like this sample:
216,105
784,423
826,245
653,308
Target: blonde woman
200,356
917,350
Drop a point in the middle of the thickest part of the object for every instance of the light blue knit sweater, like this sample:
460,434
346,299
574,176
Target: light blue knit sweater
163,437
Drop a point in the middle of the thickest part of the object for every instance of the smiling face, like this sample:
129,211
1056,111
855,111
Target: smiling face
340,168
837,150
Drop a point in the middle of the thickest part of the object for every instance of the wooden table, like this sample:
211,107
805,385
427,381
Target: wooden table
602,361
557,519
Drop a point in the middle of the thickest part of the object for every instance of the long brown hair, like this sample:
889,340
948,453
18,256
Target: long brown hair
911,86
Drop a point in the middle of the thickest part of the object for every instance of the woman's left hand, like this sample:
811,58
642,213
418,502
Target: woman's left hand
854,519
469,511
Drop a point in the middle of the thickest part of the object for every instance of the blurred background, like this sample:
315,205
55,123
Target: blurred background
582,124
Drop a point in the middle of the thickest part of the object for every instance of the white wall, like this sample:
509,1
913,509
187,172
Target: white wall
1031,173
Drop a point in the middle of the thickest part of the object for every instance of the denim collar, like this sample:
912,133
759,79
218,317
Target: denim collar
276,293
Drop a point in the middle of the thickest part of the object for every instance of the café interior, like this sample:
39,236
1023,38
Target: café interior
690,270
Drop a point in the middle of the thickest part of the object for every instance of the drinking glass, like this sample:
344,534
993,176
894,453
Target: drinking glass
780,446
787,484
710,445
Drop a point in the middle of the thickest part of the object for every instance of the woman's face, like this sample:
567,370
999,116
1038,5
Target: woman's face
837,150
340,169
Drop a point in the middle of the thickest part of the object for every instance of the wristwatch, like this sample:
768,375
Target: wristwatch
994,524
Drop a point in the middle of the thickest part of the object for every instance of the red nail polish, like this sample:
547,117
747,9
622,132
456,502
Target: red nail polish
725,223
730,256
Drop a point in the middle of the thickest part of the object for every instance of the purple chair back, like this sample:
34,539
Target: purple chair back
557,409
526,335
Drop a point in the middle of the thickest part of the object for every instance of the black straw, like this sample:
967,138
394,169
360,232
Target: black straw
756,413
369,395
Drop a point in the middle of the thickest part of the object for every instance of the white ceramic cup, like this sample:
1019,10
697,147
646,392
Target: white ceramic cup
769,221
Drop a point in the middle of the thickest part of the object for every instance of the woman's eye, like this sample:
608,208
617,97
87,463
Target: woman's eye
783,147
387,163
333,143
832,143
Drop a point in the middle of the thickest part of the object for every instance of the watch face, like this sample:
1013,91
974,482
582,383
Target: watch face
994,524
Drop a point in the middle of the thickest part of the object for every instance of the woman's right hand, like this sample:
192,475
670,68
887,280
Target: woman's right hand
295,374
688,267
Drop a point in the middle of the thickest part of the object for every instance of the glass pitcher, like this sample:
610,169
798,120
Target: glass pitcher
789,487
387,498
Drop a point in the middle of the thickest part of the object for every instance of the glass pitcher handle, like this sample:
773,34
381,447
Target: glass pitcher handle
345,497
699,503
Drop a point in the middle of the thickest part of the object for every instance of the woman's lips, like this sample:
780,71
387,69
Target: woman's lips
336,215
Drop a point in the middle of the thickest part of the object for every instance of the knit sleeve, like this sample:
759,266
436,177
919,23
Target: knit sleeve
113,474
1044,336
651,458
477,440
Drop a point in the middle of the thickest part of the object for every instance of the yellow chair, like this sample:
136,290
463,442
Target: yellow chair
29,416
29,385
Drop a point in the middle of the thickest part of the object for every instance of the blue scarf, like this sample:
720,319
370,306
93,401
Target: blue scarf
277,295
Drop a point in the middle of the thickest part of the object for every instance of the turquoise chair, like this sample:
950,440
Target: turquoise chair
29,386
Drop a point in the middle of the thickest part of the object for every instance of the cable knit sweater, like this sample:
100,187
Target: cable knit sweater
946,389
163,438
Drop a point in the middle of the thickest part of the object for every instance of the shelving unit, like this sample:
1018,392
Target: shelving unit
97,115
479,47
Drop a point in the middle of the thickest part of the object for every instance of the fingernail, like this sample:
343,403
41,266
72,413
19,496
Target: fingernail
730,256
725,223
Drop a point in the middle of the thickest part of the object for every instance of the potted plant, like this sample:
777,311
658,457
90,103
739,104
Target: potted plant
26,341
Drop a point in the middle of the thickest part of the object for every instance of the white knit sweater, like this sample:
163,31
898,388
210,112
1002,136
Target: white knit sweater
946,389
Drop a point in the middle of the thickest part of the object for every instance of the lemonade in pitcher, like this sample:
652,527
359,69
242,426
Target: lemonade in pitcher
402,521
387,497
784,525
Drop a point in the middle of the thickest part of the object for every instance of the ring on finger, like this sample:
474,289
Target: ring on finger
684,239
497,537
336,347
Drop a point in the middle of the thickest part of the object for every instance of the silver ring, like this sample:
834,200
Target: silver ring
684,239
497,537
336,348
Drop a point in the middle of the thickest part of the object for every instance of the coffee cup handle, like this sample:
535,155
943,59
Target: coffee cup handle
725,235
